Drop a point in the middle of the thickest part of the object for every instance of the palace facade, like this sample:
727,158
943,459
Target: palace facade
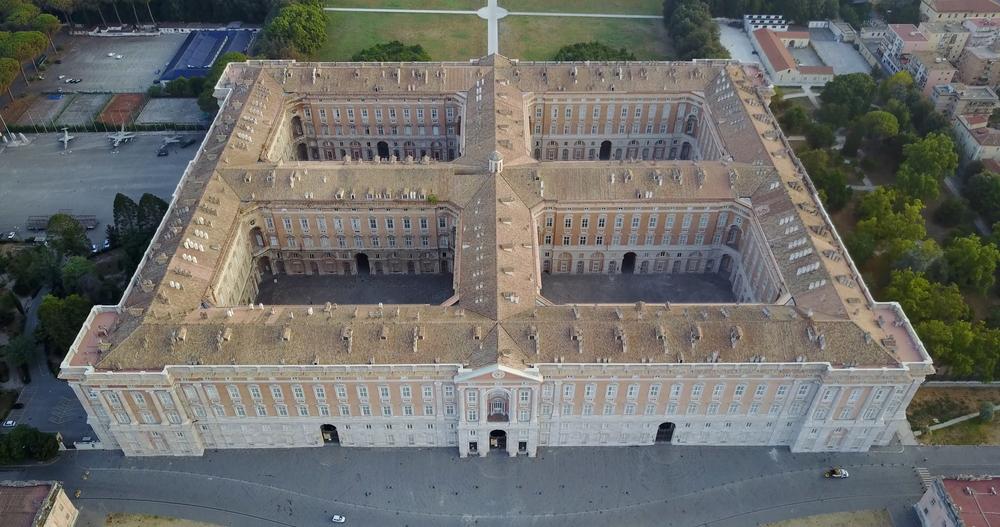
497,173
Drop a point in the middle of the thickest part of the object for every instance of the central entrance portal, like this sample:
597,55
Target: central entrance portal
628,263
665,432
362,261
498,440
330,434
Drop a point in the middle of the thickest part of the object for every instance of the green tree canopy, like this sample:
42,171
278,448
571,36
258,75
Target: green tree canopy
879,125
845,97
21,15
394,51
983,191
924,300
970,263
74,270
819,135
932,159
66,236
59,320
583,51
888,221
299,30
19,350
8,72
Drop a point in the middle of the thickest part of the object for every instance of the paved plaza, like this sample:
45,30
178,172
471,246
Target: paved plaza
663,485
86,58
628,288
736,41
372,289
840,56
41,178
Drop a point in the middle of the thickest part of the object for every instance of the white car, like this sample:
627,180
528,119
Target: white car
338,519
10,423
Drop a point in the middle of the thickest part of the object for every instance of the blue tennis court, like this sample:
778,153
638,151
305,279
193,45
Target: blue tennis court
201,48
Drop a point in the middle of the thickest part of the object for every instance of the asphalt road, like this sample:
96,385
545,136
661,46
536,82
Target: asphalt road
41,178
658,485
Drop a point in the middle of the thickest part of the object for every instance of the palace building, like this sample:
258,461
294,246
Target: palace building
495,256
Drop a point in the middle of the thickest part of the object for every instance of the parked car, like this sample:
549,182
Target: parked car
11,235
163,152
93,248
338,519
837,473
107,243
10,423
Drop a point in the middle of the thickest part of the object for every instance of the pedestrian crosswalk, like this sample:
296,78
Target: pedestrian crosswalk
925,476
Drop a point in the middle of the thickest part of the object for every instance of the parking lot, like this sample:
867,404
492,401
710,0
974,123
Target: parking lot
840,56
41,178
86,58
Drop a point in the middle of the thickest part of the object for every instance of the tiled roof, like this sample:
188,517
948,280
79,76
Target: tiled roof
965,6
172,315
776,52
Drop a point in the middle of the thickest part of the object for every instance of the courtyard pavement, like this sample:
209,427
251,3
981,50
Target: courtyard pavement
840,56
388,289
736,41
628,288
662,485
41,178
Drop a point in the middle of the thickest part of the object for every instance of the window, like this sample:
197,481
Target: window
363,392
568,222
654,391
738,391
568,390
472,415
696,391
609,408
630,409
588,409
734,408
254,391
717,390
428,409
675,390
692,408
449,391
782,390
281,409
672,408
298,392
803,391
754,408
345,410
276,392
760,390
427,392
386,410
567,409
408,410
383,392
632,391
611,391
234,392
449,410
524,396
261,410
319,392
405,392
366,410
713,408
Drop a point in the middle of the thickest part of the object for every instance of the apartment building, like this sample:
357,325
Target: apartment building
956,99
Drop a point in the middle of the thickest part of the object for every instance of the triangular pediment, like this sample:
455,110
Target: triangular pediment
497,372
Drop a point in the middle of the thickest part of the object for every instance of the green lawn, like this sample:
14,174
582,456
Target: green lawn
625,7
445,37
538,38
466,5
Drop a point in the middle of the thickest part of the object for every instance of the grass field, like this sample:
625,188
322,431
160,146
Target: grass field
445,37
623,7
119,519
538,38
466,5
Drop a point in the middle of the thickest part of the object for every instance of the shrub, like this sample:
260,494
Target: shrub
986,411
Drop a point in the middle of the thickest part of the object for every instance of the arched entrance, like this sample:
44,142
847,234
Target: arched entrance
383,150
498,440
361,259
330,435
628,263
665,432
605,153
302,152
264,264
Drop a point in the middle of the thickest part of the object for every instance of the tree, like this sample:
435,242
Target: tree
21,15
794,119
19,350
952,212
888,219
927,162
8,72
879,125
66,236
48,25
924,300
299,30
970,263
583,51
819,135
59,320
695,35
206,99
983,191
896,86
986,411
394,51
73,272
845,97
920,256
